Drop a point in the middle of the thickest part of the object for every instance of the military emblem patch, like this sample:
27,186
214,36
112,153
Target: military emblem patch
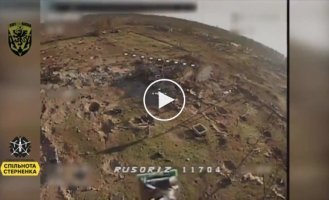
20,37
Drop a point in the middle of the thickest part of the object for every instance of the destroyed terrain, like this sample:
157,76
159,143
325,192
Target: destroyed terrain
94,73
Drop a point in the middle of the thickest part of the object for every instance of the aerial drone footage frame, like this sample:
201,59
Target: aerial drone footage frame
229,142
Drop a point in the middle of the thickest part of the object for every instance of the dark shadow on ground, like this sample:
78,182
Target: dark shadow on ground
120,148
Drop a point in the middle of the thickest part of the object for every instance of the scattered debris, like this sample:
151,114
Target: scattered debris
275,191
192,92
280,182
256,150
235,44
215,127
142,122
268,154
249,177
114,112
227,92
89,188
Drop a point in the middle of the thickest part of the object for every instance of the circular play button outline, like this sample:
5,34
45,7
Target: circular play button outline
167,80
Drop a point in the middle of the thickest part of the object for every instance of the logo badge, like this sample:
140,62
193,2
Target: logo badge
20,147
20,37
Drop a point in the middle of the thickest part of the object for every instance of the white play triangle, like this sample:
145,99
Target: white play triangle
164,99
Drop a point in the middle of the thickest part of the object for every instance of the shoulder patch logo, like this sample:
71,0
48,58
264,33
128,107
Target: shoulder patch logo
20,37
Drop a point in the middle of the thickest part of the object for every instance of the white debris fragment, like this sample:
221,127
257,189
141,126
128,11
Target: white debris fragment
256,150
274,190
126,54
192,92
227,92
235,44
268,154
249,177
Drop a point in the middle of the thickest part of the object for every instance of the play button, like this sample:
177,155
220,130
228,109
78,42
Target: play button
164,99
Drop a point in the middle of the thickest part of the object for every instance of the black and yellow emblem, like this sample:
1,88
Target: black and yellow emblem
20,37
